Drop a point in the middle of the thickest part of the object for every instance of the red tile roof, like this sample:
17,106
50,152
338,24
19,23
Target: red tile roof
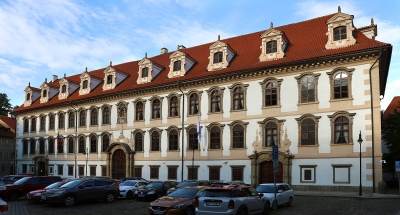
8,123
307,41
394,104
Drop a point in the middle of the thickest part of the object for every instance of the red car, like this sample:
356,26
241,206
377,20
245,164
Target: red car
34,196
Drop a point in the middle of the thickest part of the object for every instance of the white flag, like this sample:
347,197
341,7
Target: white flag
198,130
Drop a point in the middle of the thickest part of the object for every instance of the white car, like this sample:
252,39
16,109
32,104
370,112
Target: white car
128,188
284,193
3,207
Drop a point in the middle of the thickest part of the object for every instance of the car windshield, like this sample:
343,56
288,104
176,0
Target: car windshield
154,185
54,185
265,188
217,193
72,184
22,180
128,183
186,183
185,193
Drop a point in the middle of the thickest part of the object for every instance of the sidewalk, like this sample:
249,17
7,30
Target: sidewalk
347,194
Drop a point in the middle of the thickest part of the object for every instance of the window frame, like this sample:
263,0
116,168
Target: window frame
214,173
93,144
26,125
172,172
106,115
71,143
145,72
300,79
218,57
82,118
42,123
237,173
61,120
109,79
174,104
193,172
243,94
300,121
194,104
81,144
311,168
94,115
212,139
138,144
153,138
173,139
264,84
271,47
42,146
214,102
71,119
177,66
235,137
333,118
339,35
139,110
52,122
332,74
104,144
154,172
33,124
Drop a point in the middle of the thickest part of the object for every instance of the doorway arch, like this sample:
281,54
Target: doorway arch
120,160
118,164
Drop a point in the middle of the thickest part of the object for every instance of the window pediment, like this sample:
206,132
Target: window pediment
148,70
273,44
221,55
180,64
31,94
346,33
112,77
87,83
47,92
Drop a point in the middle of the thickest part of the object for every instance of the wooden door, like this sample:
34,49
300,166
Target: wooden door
267,173
41,169
118,164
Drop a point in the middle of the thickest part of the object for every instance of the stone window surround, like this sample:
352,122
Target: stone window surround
219,46
63,82
157,167
237,167
69,113
209,92
49,122
183,57
145,62
214,167
221,127
244,125
45,90
300,120
89,145
109,71
345,166
85,77
85,117
188,94
90,116
344,20
134,139
168,130
121,106
187,129
175,167
281,43
350,117
102,114
160,98
144,108
150,135
264,83
313,173
42,121
169,104
300,78
332,74
232,88
278,122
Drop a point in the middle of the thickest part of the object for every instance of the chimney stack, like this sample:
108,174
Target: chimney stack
181,47
54,78
164,50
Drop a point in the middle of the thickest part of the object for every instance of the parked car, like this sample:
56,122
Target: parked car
128,188
10,179
154,190
131,178
236,199
179,202
80,190
25,185
284,193
223,183
34,196
3,207
187,184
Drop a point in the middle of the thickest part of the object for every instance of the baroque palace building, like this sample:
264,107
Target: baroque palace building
309,87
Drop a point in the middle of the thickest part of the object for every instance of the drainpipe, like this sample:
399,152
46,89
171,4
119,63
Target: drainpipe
372,121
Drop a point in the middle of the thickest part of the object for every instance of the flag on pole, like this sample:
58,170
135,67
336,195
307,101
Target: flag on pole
198,130
58,141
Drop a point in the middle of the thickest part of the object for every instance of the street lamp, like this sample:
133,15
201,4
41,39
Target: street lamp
360,140
86,153
183,113
76,138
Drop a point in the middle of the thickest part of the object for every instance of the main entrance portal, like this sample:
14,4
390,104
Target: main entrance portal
267,173
118,164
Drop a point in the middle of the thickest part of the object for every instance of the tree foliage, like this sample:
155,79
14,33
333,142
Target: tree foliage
5,105
391,134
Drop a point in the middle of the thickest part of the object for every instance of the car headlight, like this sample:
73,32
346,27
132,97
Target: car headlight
59,192
136,192
37,194
178,206
151,192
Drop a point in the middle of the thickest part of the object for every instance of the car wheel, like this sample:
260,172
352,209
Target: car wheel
129,195
290,202
274,206
110,197
267,209
13,195
69,201
189,211
242,211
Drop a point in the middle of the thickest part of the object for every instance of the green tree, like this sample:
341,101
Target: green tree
5,105
391,134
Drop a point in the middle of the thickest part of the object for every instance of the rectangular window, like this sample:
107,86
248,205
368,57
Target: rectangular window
154,172
307,173
214,174
138,172
60,169
70,170
237,173
172,173
51,170
81,171
192,173
92,170
341,173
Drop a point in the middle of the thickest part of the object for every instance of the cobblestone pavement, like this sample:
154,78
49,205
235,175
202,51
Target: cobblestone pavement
307,205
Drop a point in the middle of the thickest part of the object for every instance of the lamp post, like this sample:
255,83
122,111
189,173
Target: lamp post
86,153
360,140
76,138
183,113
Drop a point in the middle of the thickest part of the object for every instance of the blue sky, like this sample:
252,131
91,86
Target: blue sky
52,37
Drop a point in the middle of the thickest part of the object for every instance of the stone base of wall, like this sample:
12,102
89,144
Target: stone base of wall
331,188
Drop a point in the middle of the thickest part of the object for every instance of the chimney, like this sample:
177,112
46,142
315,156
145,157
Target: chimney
164,50
54,78
181,47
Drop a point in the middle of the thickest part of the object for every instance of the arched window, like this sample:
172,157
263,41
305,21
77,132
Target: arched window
71,120
155,141
61,121
109,79
145,72
271,94
307,89
41,146
106,115
215,101
82,118
139,142
33,146
341,129
93,117
194,103
238,136
85,84
173,106
33,126
156,109
93,144
215,138
340,86
139,111
28,96
173,140
177,65
70,145
218,57
81,148
238,98
51,145
60,146
42,123
64,88
26,125
44,93
271,134
106,142
25,147
52,122
339,33
193,141
271,47
308,132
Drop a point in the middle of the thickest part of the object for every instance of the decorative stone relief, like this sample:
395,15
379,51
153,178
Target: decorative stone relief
286,143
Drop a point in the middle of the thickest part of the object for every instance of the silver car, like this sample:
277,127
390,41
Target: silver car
284,193
128,188
232,199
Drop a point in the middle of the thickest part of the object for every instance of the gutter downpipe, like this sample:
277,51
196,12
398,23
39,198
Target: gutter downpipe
183,113
372,120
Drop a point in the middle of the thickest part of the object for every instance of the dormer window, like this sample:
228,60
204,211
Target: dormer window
44,93
109,79
221,55
271,47
112,77
145,72
64,89
177,65
85,84
88,82
218,57
180,64
28,96
339,33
